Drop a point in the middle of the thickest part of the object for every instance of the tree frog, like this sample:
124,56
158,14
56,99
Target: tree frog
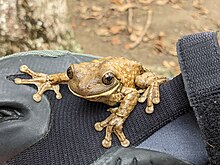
116,81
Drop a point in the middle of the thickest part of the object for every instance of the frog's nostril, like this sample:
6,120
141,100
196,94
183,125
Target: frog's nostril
70,72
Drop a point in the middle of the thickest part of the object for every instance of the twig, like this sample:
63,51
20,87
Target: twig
124,7
143,33
130,18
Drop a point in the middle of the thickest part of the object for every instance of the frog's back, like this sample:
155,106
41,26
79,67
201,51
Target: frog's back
126,70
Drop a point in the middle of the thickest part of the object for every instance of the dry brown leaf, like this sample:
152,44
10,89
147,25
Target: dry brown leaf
128,46
96,14
146,39
96,8
203,11
124,7
118,2
146,2
102,32
115,41
166,64
170,64
162,2
116,29
145,8
133,37
172,52
205,28
198,5
177,6
121,23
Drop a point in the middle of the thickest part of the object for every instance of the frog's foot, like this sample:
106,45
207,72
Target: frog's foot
113,123
152,94
42,82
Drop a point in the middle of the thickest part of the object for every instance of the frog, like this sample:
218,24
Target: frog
119,82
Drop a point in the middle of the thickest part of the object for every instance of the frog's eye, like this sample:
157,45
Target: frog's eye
108,78
69,72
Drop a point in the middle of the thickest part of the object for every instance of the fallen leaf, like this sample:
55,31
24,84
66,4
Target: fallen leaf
115,41
116,29
133,37
173,53
177,6
96,8
102,32
118,2
127,46
146,39
203,11
146,2
96,14
162,2
124,7
121,23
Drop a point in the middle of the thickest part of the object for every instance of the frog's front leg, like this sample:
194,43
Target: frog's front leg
114,123
150,82
43,82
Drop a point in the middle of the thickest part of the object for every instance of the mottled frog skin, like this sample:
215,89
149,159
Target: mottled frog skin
110,80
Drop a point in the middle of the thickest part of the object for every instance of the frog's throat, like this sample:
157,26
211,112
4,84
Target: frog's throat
109,92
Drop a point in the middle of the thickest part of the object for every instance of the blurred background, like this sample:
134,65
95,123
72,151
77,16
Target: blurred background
142,30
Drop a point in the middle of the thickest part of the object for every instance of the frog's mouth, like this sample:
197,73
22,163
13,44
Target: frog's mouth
107,93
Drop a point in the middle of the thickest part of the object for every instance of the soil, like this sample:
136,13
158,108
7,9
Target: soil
102,28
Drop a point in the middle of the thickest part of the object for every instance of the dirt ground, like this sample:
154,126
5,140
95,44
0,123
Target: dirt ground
142,30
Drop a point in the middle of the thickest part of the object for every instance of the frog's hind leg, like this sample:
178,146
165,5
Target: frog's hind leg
107,141
121,136
114,123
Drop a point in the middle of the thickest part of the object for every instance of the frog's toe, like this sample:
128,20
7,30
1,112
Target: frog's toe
59,96
106,143
149,109
125,143
37,97
23,68
17,81
98,126
156,100
142,99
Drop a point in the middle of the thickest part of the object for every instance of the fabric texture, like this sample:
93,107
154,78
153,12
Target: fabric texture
73,139
181,138
199,58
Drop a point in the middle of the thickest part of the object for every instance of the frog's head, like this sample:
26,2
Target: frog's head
92,80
